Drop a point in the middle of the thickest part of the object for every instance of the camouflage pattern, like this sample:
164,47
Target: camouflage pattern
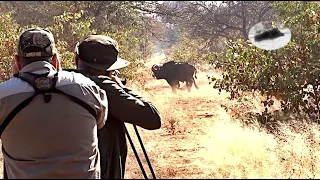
38,38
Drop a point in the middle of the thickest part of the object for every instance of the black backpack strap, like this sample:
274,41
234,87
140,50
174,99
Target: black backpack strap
41,83
32,79
78,101
14,112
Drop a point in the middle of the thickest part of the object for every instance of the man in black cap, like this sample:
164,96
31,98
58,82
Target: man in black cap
49,117
97,57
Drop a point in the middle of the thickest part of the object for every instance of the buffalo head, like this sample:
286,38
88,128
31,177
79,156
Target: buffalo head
155,69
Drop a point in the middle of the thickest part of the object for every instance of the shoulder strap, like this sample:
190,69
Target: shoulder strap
42,85
14,112
78,101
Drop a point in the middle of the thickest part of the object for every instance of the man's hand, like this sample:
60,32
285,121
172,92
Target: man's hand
117,80
114,77
116,72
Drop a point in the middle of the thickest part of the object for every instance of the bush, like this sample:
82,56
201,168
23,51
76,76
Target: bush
9,32
68,29
189,50
71,27
290,74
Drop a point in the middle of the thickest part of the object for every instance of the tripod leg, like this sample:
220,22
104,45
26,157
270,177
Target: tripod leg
136,154
145,153
5,176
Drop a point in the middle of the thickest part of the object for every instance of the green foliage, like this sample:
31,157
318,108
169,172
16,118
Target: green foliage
191,50
8,38
68,29
290,74
71,21
65,56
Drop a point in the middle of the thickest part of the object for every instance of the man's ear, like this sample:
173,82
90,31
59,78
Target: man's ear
75,55
17,65
56,62
76,59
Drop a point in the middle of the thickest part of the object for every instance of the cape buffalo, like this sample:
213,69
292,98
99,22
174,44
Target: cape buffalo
176,72
268,34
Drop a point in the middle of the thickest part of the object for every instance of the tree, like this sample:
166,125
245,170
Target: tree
71,21
34,12
216,22
290,74
9,32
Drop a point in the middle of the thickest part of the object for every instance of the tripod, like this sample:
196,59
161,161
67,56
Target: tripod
136,154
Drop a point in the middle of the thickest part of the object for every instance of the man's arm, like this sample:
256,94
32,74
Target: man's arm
128,107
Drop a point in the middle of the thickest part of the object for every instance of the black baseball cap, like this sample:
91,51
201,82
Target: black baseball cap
100,52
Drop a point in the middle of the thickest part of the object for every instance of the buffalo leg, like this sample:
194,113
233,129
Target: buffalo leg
179,85
195,84
174,88
189,85
174,85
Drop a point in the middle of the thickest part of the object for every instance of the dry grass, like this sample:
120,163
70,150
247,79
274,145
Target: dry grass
203,136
